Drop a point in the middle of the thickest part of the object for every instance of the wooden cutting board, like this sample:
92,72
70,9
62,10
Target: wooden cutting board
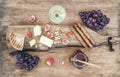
23,30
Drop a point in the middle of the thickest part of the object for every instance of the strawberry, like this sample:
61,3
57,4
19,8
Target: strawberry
29,35
50,61
69,34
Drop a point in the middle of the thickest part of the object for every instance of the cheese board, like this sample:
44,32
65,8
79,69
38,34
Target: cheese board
43,42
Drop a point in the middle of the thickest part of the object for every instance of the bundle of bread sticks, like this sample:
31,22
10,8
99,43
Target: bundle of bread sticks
83,36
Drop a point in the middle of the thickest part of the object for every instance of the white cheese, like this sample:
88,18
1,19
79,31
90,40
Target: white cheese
46,41
37,30
32,42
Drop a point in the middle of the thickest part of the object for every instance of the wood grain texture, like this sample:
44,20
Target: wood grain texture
17,12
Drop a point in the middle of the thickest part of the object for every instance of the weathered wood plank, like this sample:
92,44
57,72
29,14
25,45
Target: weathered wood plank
17,12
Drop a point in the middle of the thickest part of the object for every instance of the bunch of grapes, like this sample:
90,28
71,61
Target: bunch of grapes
26,61
94,19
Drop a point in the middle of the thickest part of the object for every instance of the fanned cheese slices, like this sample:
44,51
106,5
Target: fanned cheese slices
16,40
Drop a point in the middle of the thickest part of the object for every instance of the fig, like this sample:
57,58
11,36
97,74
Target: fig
50,35
65,41
32,18
47,27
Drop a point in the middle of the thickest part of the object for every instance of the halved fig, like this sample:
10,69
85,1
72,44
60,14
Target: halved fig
50,35
65,41
47,27
32,18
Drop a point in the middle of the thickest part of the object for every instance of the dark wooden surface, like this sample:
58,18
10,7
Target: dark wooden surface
17,12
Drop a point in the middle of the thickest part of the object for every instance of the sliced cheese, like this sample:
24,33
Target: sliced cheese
46,41
37,30
32,42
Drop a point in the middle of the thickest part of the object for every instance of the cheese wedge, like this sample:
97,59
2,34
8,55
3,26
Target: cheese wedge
46,41
37,30
32,42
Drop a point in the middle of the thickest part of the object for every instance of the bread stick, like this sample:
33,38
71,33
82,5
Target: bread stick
78,37
86,33
83,36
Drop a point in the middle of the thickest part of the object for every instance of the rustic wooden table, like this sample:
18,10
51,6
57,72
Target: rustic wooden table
17,12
